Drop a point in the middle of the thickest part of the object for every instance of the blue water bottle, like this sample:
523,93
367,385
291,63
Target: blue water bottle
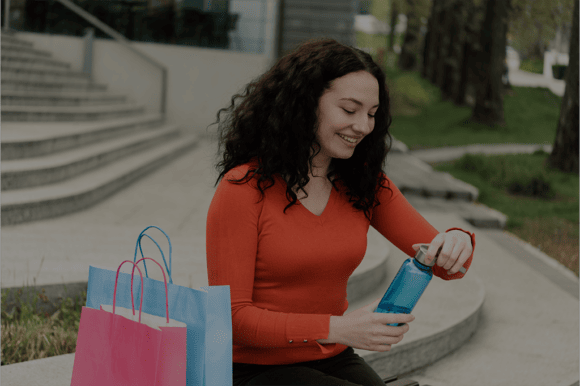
408,285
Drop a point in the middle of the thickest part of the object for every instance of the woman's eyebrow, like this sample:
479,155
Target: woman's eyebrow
356,101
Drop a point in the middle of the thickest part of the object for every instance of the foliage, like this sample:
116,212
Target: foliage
28,334
533,24
532,65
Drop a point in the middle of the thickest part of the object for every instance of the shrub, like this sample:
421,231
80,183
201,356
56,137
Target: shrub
521,178
28,334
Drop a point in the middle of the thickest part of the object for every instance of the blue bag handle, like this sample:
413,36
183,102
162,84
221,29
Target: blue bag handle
160,250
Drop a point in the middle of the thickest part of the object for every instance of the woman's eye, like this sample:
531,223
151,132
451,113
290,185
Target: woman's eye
348,112
371,116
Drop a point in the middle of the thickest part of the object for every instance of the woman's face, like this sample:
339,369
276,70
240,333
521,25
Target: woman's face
346,114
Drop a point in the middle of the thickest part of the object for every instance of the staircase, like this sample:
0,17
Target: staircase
67,143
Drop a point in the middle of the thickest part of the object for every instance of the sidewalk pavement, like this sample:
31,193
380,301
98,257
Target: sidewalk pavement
529,79
528,333
444,154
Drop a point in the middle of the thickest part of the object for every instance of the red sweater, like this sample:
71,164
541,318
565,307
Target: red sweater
288,272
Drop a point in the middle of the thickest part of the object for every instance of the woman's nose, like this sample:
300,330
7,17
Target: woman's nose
362,126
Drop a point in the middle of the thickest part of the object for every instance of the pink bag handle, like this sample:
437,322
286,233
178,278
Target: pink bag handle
132,301
164,281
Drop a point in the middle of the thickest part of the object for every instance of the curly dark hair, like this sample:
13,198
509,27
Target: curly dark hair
274,124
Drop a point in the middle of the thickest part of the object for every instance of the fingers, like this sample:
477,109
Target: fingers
452,250
434,247
393,318
460,261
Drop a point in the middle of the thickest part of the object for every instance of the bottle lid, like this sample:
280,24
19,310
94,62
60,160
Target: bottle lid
421,255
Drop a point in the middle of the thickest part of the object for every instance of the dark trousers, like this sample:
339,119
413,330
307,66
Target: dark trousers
346,368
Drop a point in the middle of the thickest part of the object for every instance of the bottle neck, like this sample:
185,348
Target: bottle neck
422,267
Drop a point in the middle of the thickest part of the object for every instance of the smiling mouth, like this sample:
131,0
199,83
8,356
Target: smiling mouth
348,139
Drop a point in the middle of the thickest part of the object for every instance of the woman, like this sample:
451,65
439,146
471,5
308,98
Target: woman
301,181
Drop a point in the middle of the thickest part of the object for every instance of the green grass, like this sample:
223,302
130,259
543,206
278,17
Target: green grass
422,120
532,65
549,221
28,334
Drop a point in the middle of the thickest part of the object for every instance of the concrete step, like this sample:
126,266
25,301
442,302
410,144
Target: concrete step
415,177
474,213
20,85
20,59
49,75
14,41
68,113
24,205
66,98
37,67
11,47
26,140
446,317
27,173
371,273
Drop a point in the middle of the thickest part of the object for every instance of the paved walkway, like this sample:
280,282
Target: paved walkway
530,79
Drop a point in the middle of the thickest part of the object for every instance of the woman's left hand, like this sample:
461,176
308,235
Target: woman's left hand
455,249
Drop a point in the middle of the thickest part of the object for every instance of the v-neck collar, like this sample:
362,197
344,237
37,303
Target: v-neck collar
327,209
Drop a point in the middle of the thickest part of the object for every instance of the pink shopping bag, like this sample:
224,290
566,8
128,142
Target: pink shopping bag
114,349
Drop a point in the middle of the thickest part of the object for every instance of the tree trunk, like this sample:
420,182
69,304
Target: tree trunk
431,43
454,58
411,42
394,19
443,43
428,44
565,151
488,107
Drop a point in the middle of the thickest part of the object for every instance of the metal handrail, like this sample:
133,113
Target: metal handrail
125,43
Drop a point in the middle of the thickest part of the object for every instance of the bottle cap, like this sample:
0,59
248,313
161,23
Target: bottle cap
421,255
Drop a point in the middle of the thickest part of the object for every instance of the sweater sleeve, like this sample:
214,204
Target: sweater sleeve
232,236
402,225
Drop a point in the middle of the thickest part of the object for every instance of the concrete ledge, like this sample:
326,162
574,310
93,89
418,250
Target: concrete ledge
372,271
415,177
8,84
20,174
475,213
22,206
14,58
19,98
8,46
45,74
66,113
43,142
54,371
447,316
12,40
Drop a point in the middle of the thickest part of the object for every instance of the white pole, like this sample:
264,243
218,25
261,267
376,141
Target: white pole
6,14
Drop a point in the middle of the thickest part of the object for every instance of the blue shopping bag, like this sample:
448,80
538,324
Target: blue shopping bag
206,311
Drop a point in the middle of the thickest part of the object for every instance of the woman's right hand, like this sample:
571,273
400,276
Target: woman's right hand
368,330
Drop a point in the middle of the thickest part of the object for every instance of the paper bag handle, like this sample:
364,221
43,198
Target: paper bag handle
164,281
132,301
138,245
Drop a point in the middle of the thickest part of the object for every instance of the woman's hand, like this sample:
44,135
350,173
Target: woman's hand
367,330
454,248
